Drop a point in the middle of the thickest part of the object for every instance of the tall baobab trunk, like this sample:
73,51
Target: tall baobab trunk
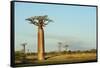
40,43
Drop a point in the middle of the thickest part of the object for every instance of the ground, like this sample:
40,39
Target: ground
58,59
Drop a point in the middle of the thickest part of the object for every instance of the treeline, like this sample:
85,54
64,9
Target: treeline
71,52
19,53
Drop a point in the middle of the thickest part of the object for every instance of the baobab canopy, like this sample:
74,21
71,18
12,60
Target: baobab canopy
39,20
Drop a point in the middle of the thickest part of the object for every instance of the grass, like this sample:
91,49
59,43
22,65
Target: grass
57,59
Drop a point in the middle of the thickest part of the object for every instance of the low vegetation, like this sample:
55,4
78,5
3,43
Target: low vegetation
56,57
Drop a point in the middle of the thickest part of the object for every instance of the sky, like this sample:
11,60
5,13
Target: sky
73,25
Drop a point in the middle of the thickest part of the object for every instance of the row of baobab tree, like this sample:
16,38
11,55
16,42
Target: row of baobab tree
24,49
60,47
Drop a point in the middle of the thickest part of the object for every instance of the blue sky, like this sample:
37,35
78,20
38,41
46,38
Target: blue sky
73,25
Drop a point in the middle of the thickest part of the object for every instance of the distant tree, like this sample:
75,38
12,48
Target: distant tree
69,51
24,51
93,50
64,52
28,52
24,47
66,47
78,51
59,46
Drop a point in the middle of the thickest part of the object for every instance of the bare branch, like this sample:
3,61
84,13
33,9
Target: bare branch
32,21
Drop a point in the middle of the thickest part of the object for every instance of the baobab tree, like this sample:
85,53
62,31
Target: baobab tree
40,22
59,46
24,51
66,47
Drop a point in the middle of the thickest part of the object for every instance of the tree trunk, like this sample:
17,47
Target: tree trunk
40,44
